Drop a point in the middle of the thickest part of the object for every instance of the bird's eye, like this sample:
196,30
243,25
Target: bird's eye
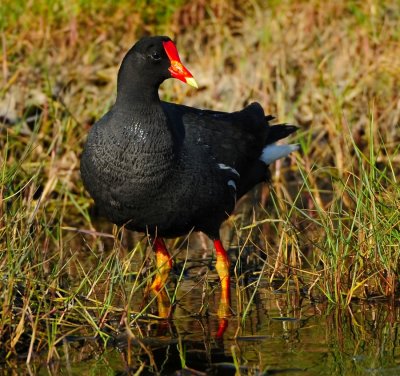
155,55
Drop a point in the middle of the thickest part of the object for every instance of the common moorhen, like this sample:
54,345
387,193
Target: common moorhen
164,168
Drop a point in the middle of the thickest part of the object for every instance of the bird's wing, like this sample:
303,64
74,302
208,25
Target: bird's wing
233,139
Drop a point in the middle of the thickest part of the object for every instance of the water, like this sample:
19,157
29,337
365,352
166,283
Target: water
283,334
273,330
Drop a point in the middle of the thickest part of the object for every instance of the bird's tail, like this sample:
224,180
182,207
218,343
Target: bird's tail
279,131
272,151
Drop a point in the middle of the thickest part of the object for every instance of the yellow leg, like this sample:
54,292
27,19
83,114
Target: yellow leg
164,265
222,267
163,304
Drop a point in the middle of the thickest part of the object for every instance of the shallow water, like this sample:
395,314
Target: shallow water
282,334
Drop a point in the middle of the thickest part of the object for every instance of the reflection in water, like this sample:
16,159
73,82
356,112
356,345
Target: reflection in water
282,334
165,310
270,329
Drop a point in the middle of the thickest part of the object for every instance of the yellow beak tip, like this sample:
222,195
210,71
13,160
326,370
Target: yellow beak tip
192,82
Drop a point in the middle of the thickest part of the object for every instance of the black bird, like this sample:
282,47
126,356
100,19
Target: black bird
164,168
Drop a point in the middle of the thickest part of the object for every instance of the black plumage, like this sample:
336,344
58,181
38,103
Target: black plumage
154,166
164,168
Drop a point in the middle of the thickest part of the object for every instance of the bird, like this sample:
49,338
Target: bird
166,169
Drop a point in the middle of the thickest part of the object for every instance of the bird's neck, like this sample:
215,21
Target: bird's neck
134,90
137,95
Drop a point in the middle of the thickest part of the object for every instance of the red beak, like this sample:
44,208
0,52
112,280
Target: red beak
177,69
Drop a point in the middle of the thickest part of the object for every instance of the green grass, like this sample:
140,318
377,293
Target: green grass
330,225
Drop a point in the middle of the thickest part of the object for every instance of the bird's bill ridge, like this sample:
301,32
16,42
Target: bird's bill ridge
177,69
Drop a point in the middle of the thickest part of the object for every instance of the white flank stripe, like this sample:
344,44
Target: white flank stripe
223,166
273,152
231,183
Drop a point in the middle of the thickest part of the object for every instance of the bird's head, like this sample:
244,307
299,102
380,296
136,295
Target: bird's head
158,57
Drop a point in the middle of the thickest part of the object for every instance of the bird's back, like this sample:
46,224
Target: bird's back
233,141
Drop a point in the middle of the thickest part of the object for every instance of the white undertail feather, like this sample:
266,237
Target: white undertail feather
273,152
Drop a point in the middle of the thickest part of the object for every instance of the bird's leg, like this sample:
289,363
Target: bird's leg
164,265
222,267
163,304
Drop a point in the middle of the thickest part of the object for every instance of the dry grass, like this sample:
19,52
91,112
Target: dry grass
331,224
